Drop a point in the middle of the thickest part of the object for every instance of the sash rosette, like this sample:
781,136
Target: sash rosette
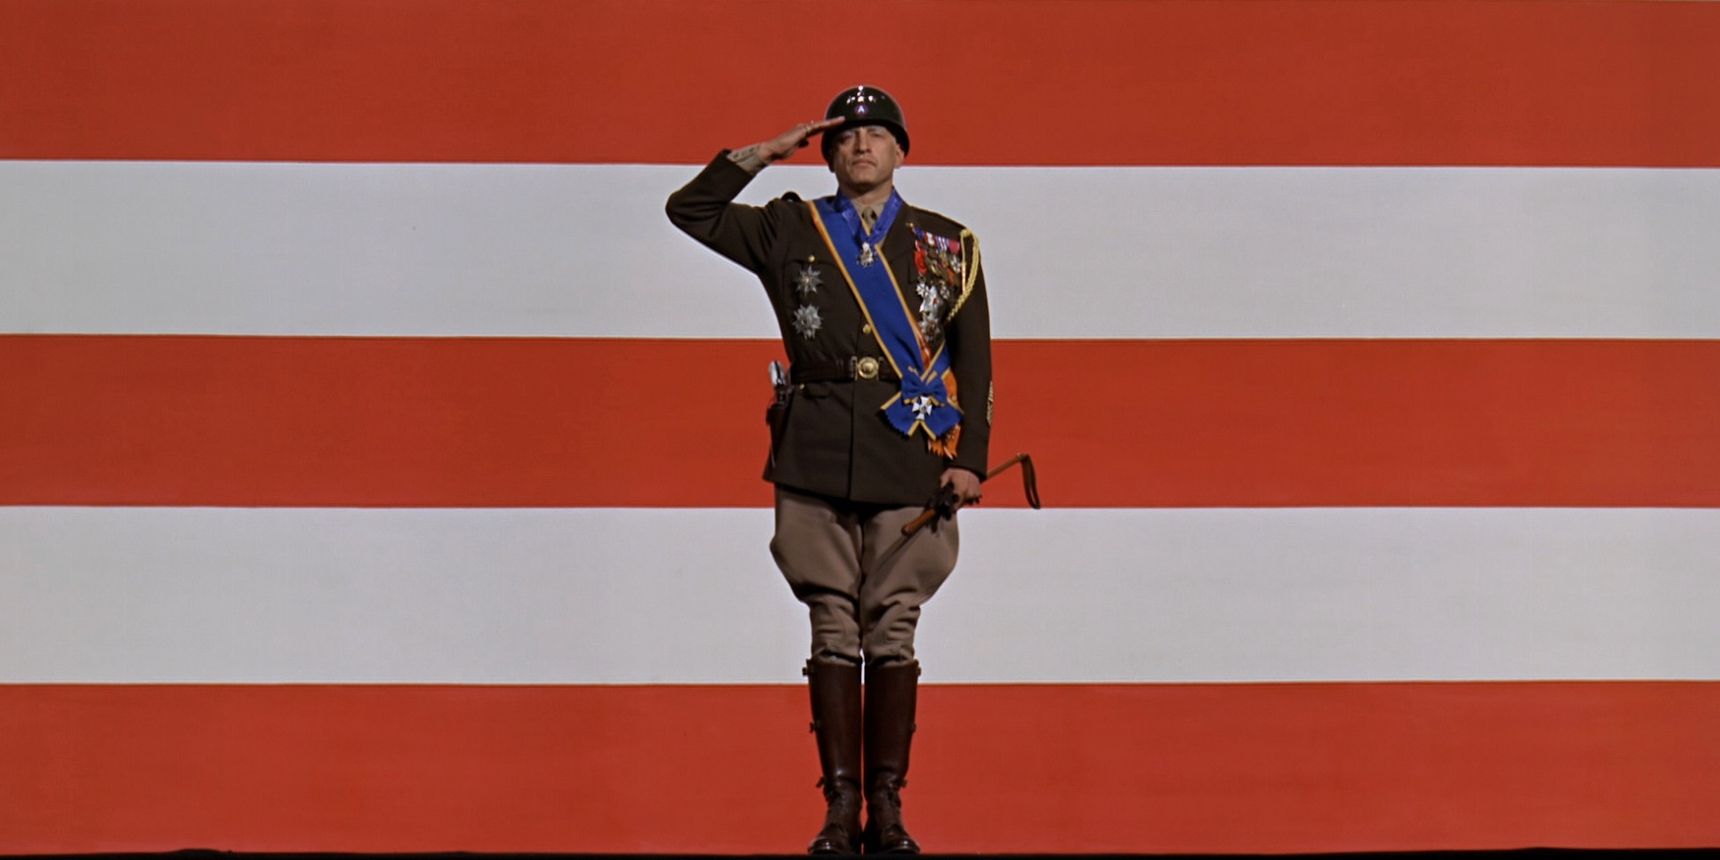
924,401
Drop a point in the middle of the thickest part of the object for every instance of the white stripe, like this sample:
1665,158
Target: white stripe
585,251
666,595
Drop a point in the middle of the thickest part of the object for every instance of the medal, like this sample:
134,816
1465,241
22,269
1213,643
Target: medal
932,301
923,407
868,240
807,321
808,280
940,263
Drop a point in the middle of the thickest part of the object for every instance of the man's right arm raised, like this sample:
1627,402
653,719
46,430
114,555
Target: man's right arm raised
705,209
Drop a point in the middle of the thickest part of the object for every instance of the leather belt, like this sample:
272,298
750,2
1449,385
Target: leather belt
856,367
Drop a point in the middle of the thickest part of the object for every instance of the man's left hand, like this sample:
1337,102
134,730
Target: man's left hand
965,483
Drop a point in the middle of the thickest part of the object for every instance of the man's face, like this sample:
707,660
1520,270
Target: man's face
864,157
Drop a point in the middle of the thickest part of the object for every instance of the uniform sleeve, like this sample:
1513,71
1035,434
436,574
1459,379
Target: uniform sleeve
705,210
969,337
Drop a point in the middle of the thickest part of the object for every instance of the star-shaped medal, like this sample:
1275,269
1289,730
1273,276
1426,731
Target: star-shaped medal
807,321
931,300
807,281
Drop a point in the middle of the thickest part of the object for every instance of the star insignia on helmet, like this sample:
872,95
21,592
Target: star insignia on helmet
807,281
807,321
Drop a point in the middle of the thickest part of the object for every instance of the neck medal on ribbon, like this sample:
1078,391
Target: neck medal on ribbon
925,401
869,241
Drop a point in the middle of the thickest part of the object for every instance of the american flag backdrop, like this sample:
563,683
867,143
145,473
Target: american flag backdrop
379,468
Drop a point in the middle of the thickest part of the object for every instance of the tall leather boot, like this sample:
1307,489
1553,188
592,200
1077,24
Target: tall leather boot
836,723
891,689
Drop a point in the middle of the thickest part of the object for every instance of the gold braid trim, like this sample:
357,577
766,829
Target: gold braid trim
970,269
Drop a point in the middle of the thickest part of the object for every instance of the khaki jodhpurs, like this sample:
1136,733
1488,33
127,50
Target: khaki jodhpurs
862,581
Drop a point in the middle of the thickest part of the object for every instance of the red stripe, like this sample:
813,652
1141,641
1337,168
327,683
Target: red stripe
1001,82
1232,768
143,420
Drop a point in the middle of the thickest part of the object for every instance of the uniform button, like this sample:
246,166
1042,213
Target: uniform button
866,329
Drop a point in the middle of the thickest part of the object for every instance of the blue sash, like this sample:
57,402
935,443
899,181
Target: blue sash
924,401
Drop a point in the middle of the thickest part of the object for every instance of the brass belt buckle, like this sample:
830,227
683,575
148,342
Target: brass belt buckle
866,368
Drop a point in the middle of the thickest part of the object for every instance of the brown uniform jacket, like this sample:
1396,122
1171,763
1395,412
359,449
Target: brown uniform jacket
836,441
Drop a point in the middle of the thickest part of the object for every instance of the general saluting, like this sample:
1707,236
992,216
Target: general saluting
885,407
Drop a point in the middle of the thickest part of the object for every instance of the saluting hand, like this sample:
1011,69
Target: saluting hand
784,145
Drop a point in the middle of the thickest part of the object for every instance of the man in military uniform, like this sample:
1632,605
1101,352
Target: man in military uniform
883,313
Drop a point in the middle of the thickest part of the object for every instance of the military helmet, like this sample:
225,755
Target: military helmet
864,105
